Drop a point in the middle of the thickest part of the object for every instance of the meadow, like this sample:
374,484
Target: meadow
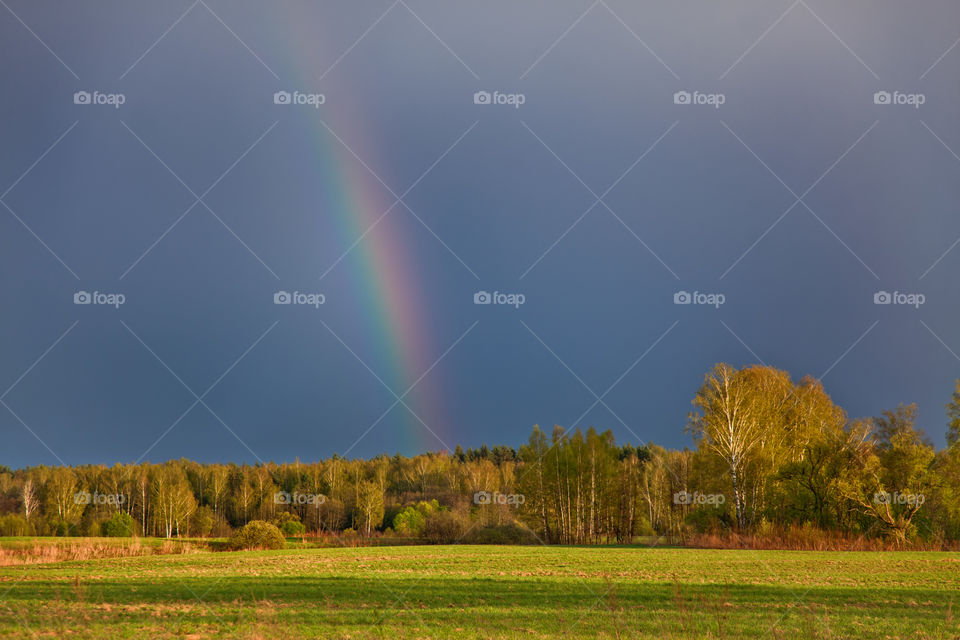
484,592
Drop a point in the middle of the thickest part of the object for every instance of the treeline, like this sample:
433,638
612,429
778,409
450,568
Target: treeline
768,452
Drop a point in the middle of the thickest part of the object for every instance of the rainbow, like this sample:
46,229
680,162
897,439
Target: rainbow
393,301
382,263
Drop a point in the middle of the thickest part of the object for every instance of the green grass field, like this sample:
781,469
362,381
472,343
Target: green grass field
487,592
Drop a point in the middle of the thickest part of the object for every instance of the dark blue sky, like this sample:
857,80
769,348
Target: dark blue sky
818,182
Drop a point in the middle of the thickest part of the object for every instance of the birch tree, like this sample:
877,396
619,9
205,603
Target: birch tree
740,419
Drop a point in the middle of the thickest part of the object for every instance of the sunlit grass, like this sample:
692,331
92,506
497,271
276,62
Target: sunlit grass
489,591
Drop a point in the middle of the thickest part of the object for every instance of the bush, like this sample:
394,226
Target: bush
502,534
292,528
444,527
13,524
289,524
257,534
411,521
645,529
202,521
119,525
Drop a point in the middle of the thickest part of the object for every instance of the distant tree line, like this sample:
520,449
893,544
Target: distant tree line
768,452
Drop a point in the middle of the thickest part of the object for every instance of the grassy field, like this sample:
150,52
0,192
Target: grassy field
487,592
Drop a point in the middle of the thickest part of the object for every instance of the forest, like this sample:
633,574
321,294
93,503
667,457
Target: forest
768,454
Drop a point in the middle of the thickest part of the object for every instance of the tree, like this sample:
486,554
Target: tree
740,421
370,507
953,415
28,496
202,521
217,480
120,525
817,445
775,450
888,475
62,495
173,499
533,456
897,421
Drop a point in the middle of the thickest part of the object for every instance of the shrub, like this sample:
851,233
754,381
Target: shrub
443,527
289,524
119,525
644,528
292,528
411,521
257,534
13,524
202,521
